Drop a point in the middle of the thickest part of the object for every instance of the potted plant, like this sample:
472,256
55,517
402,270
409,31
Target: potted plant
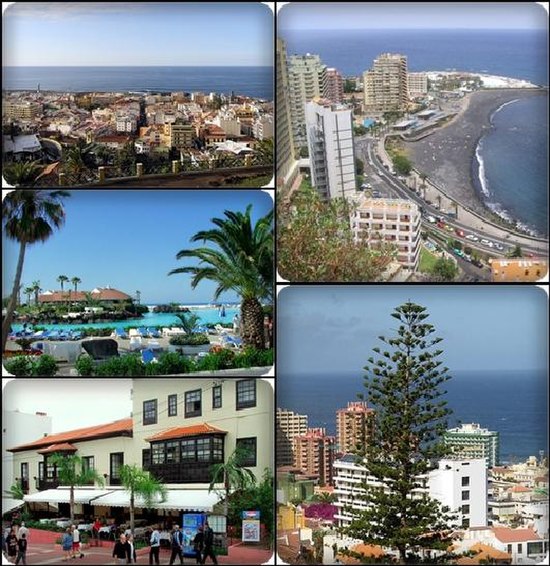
192,342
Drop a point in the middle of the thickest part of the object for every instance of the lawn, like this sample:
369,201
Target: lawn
427,261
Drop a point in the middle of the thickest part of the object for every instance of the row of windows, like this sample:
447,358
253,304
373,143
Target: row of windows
245,398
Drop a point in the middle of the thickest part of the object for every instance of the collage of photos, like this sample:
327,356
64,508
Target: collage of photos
275,283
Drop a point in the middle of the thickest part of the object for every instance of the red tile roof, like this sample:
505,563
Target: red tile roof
519,489
506,534
181,431
103,294
122,427
63,447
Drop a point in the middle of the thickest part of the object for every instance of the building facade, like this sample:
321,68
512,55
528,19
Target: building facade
331,152
418,84
377,221
354,425
181,135
472,441
315,454
288,425
21,110
334,90
386,86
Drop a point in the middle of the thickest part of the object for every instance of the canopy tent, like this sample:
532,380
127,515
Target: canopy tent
185,499
10,504
63,495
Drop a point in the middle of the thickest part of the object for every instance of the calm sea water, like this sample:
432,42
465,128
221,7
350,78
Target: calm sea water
250,81
515,152
512,403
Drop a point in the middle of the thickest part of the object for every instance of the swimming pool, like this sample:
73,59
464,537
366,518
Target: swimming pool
208,315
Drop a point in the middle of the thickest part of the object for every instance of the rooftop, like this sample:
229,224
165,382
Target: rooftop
507,535
181,431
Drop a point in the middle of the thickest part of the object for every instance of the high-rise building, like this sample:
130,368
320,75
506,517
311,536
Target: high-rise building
288,174
386,84
334,90
289,425
394,221
315,454
353,426
21,110
418,84
181,135
306,79
330,142
472,441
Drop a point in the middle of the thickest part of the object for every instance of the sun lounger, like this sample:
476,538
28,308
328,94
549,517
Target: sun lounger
153,333
172,331
134,332
76,335
221,330
154,345
147,356
120,333
135,343
143,331
232,342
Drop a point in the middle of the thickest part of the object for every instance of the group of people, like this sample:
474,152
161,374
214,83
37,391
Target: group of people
15,543
70,543
124,551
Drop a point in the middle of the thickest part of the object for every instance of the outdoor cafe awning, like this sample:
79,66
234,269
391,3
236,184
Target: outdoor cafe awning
185,499
63,494
10,504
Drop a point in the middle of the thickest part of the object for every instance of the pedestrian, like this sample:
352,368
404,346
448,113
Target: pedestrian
11,543
177,544
208,544
236,322
22,549
23,531
155,545
133,558
67,543
121,551
76,542
95,529
198,544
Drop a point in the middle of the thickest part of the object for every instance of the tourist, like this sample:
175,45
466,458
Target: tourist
67,543
177,545
121,551
133,558
155,545
95,529
208,544
11,544
23,531
198,544
236,322
76,542
22,549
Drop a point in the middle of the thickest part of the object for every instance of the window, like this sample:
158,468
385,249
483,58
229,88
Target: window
88,463
217,449
465,509
248,445
150,412
145,458
172,452
188,450
50,470
216,396
172,405
466,481
534,548
40,471
24,470
509,549
465,495
116,460
157,453
203,449
466,523
520,548
246,393
193,403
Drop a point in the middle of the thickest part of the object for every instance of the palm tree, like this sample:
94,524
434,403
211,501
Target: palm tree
243,263
76,281
140,483
232,474
28,291
15,491
29,216
71,472
62,279
78,161
36,290
23,174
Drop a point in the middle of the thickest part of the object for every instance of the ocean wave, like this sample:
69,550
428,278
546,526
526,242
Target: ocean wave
481,171
501,107
499,210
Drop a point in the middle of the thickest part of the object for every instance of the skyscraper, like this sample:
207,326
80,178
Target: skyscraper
472,441
315,454
386,84
289,425
330,143
306,79
334,90
353,425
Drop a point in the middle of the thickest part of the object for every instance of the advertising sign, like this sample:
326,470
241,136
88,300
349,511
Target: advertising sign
251,530
250,514
190,527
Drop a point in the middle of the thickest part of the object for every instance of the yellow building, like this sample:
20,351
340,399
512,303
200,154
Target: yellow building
22,110
181,135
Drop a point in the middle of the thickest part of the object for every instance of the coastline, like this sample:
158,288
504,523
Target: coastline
450,156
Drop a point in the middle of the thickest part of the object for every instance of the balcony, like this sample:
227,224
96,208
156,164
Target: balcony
47,484
187,472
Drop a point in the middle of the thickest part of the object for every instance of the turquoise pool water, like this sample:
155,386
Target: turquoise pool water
148,319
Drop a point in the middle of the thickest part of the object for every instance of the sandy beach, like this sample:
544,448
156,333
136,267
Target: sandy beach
447,156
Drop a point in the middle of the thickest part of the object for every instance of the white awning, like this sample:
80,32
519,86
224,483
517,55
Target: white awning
62,495
185,499
9,504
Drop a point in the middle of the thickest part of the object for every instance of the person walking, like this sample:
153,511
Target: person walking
198,544
177,545
11,544
208,544
133,558
76,542
155,546
95,530
22,549
23,531
67,543
121,551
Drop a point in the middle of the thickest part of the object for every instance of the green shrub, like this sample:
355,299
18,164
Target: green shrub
19,366
190,340
250,357
85,366
45,366
125,365
169,363
223,359
26,366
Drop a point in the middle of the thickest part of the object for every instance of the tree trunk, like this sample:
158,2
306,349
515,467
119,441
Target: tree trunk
6,324
71,504
132,512
252,320
227,487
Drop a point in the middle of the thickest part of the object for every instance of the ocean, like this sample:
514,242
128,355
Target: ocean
512,403
256,82
514,153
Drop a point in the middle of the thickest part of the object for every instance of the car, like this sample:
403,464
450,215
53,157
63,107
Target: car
376,194
449,228
441,224
487,243
458,252
472,237
499,246
459,232
431,219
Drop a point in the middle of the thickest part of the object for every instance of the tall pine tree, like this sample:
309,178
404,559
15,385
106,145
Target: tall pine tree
403,384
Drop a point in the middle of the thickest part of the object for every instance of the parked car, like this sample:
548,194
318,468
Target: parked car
449,228
441,224
487,243
431,219
499,246
472,237
459,232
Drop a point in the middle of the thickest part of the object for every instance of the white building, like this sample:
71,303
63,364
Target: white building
126,124
376,221
288,426
330,142
418,84
385,86
472,441
263,127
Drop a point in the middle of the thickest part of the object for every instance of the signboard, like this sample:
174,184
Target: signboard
251,530
250,514
190,527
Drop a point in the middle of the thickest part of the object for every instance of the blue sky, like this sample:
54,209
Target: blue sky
136,33
331,329
412,15
129,240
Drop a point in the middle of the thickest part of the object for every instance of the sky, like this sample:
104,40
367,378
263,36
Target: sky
332,329
412,15
138,33
129,239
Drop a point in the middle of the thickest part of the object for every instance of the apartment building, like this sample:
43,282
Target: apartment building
354,425
418,84
385,85
181,135
393,221
334,86
330,142
21,110
472,441
288,425
315,454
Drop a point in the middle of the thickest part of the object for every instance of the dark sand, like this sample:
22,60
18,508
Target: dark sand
454,145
